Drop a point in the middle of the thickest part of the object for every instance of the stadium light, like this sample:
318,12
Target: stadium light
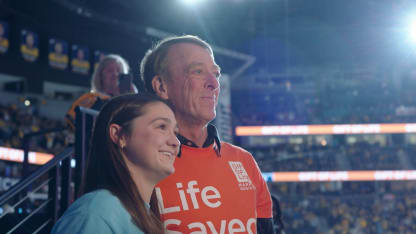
192,2
412,31
27,102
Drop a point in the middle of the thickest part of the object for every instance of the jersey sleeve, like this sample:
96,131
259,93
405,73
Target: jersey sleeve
263,198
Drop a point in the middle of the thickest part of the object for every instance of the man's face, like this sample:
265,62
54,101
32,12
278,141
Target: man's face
192,83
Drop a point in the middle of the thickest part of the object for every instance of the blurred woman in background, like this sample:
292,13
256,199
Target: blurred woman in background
111,78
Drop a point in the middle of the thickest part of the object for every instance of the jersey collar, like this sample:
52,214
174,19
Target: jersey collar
211,138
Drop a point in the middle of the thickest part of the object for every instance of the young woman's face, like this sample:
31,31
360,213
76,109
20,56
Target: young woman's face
152,145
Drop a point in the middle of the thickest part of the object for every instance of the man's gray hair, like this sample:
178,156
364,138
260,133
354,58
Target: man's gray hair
155,61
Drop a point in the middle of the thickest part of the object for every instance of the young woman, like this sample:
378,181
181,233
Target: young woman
133,147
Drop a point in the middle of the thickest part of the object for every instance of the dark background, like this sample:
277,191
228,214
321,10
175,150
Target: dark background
279,33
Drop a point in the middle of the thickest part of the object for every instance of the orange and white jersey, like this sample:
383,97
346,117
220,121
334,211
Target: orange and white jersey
211,194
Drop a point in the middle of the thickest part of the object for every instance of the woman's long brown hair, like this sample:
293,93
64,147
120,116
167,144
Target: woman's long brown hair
106,168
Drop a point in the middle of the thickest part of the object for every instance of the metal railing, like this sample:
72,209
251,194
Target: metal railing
84,121
27,138
19,193
56,176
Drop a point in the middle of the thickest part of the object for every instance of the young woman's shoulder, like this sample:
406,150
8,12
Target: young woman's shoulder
99,212
96,202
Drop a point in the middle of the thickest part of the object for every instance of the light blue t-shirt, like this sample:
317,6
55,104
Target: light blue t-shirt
96,212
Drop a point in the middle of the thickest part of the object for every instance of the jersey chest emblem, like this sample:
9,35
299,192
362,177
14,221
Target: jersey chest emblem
241,175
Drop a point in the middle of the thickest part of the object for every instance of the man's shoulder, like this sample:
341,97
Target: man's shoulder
233,152
228,147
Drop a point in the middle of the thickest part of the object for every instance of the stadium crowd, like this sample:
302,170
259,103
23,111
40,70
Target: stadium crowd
389,213
343,207
334,102
18,120
359,156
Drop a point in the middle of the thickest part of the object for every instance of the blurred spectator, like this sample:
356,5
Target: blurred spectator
277,215
110,78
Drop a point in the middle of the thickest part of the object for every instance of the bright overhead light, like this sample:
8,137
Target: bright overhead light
412,31
191,2
27,102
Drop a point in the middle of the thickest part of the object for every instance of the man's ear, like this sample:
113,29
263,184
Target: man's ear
116,135
159,86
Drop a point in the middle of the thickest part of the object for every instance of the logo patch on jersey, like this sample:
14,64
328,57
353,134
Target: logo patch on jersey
241,175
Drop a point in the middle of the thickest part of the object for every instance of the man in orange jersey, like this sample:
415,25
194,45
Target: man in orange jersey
217,187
